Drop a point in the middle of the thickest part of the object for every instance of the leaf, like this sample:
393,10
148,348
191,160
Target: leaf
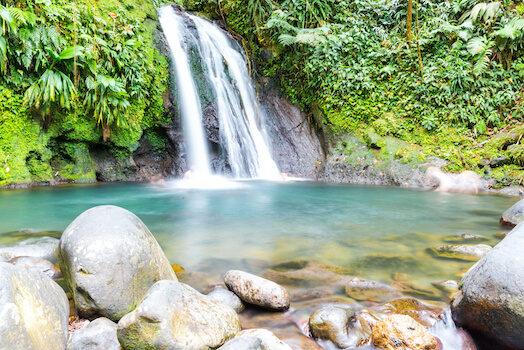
70,52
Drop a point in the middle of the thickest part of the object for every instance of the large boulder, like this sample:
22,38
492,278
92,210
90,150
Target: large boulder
514,215
38,247
34,310
97,335
257,290
173,315
109,260
490,301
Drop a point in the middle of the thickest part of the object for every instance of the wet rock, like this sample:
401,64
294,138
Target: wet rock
361,289
196,279
268,340
255,317
409,288
100,334
244,343
302,295
390,262
38,247
341,326
45,266
499,161
296,340
34,310
447,285
310,274
465,238
173,315
257,290
109,260
468,252
514,215
425,314
227,297
489,303
501,235
401,332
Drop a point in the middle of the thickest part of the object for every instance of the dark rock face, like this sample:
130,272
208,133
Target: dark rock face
173,315
296,147
109,260
155,157
490,301
514,215
34,309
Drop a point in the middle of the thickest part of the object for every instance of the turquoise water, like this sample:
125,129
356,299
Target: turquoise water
376,231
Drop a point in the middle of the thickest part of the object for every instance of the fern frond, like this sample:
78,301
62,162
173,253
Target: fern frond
287,40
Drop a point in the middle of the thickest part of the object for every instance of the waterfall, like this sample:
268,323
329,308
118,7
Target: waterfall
196,43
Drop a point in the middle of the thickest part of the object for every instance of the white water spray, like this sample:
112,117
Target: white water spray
224,67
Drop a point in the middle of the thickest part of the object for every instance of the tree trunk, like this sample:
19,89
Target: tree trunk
409,20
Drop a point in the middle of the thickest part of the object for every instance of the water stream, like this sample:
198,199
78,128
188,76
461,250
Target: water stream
197,43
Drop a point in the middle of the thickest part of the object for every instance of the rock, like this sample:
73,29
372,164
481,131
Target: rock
109,260
259,338
409,288
514,215
501,235
100,334
227,297
468,252
310,274
392,262
361,289
465,238
499,161
257,290
38,247
196,279
34,310
341,326
489,303
447,285
401,332
173,315
302,295
423,313
45,266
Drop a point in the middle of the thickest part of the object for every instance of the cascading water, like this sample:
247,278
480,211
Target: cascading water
224,68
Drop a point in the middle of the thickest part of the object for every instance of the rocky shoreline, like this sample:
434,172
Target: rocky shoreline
126,295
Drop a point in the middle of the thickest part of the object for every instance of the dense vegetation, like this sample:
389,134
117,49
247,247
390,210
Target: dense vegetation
447,75
74,75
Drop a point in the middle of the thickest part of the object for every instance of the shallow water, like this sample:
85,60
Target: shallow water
375,231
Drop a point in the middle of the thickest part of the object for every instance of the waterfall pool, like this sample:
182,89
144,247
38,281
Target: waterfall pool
375,231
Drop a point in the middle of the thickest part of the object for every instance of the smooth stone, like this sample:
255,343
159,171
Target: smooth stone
261,339
34,310
38,247
361,289
340,326
99,334
468,252
109,260
401,332
447,285
172,315
47,267
227,297
514,215
425,314
257,290
489,303
310,274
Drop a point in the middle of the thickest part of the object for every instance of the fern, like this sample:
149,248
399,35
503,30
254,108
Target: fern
481,11
480,47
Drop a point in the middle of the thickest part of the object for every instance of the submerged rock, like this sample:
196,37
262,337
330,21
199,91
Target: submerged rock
109,260
38,247
423,313
447,285
100,334
514,215
489,303
45,266
261,339
173,315
341,326
310,274
465,238
401,332
361,289
468,252
257,290
34,310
